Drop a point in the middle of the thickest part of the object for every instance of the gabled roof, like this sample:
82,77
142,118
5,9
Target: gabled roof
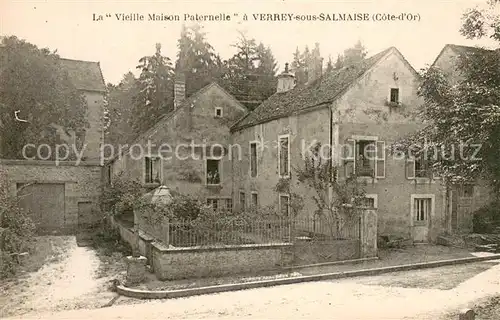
186,103
460,50
85,75
321,92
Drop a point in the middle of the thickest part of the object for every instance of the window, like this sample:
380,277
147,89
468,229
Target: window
109,174
255,199
467,191
213,172
213,203
417,168
152,168
284,204
421,209
242,200
284,155
229,204
364,156
369,201
394,98
218,112
253,159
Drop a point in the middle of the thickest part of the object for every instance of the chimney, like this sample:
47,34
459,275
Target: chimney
286,80
179,89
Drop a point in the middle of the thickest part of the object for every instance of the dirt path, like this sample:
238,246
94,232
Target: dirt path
71,281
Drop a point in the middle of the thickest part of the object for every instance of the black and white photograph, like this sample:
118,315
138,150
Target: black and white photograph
225,159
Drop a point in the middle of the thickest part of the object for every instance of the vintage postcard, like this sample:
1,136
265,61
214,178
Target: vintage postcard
281,159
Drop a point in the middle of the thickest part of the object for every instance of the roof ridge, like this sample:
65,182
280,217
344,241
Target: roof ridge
79,60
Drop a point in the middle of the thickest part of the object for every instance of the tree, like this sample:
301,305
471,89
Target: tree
250,74
462,119
298,66
35,86
155,96
264,73
334,198
355,54
196,59
120,101
329,65
351,55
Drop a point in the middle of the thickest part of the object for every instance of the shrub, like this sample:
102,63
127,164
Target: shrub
121,196
487,218
17,230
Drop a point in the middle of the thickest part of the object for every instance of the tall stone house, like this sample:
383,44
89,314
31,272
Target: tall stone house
64,197
242,156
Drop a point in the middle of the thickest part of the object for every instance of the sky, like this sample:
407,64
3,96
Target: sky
70,28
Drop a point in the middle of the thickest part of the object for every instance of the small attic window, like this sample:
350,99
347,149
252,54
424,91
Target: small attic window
394,98
218,112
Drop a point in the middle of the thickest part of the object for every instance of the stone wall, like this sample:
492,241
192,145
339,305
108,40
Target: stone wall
197,262
81,184
310,252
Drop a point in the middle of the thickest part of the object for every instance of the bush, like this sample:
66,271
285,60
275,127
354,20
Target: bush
487,218
17,230
121,196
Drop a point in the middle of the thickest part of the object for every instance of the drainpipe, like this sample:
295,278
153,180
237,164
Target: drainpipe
330,191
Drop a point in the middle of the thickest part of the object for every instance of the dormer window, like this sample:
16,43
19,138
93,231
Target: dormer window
394,98
218,112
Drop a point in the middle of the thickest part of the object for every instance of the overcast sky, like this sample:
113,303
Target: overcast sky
69,28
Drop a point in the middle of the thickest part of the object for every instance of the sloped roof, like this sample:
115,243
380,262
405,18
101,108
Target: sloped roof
324,90
186,103
461,50
85,75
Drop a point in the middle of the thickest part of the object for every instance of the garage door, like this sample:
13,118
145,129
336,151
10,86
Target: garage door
45,202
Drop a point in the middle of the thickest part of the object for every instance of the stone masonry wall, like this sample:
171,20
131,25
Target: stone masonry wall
82,183
170,264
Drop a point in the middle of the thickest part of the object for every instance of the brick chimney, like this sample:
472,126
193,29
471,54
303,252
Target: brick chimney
286,80
179,88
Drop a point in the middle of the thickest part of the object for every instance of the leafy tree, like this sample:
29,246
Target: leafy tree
334,198
329,65
462,116
155,96
120,100
33,83
197,59
250,73
351,55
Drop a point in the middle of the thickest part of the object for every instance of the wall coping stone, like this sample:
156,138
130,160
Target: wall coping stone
50,163
169,294
165,249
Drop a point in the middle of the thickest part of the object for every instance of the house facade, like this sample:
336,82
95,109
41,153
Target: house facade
64,196
362,111
370,104
188,147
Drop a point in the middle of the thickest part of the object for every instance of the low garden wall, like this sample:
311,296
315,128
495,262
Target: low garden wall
197,262
318,251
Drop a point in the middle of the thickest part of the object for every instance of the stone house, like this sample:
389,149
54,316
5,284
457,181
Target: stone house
366,104
467,198
369,105
64,197
188,147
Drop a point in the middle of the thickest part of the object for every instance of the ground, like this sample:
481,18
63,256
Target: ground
390,296
78,278
67,277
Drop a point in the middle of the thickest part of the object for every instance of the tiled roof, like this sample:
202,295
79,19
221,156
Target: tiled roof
85,75
466,49
324,90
